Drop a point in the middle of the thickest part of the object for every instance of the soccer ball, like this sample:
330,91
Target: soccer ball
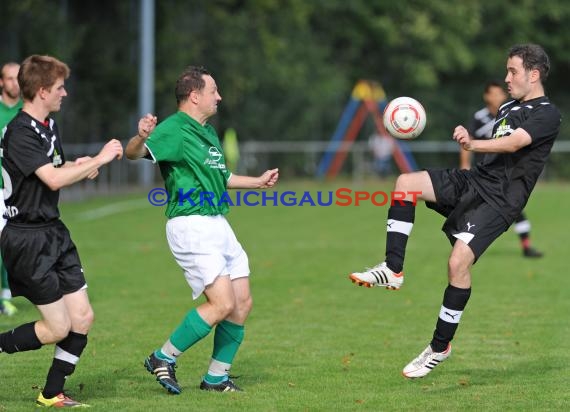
404,118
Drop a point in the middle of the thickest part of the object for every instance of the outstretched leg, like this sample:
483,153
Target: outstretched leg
409,188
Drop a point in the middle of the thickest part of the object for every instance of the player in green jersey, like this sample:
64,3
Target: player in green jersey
10,104
191,160
10,101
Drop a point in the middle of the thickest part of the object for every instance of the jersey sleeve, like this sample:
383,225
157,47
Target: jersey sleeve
227,175
23,149
544,122
164,146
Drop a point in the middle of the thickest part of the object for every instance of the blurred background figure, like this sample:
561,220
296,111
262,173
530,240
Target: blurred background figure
481,126
10,104
382,147
10,101
231,149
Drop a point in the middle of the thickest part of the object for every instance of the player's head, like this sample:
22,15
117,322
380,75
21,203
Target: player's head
197,87
191,79
494,95
9,80
40,73
533,57
527,69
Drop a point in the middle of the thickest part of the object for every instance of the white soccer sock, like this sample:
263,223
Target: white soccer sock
218,368
170,350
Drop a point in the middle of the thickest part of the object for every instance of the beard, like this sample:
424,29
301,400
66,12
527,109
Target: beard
12,94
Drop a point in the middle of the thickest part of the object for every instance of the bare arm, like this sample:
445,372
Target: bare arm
507,144
464,159
80,160
266,180
135,148
72,172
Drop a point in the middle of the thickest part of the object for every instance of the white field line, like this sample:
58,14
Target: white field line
113,209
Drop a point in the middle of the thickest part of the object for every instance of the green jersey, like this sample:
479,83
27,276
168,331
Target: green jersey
193,166
7,113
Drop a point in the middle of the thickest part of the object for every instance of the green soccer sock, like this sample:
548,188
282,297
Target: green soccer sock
191,330
227,340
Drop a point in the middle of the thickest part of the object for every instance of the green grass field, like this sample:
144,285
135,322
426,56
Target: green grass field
315,341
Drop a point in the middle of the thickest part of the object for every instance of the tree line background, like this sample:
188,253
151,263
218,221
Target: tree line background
285,68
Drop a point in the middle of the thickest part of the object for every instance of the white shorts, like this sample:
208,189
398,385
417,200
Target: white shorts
205,247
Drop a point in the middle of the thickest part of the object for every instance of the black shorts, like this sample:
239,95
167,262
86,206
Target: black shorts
42,261
469,217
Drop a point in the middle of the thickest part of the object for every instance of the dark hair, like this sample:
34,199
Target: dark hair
490,84
190,80
40,71
533,57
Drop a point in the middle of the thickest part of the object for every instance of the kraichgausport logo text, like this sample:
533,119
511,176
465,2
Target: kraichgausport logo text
340,197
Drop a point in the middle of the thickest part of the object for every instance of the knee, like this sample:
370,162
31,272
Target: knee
402,182
224,309
83,321
88,319
245,306
60,331
458,271
241,311
452,265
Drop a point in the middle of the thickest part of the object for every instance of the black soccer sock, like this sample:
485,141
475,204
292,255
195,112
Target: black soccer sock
67,353
454,301
399,226
20,339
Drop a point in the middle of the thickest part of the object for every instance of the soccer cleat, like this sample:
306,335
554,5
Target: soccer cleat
164,372
425,362
225,386
7,308
379,276
59,401
531,252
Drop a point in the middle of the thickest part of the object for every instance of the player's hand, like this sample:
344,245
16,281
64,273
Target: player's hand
81,160
269,178
112,150
461,136
146,126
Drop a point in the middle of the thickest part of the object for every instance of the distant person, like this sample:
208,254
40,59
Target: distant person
189,154
10,101
42,260
382,148
231,149
10,104
479,204
481,127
